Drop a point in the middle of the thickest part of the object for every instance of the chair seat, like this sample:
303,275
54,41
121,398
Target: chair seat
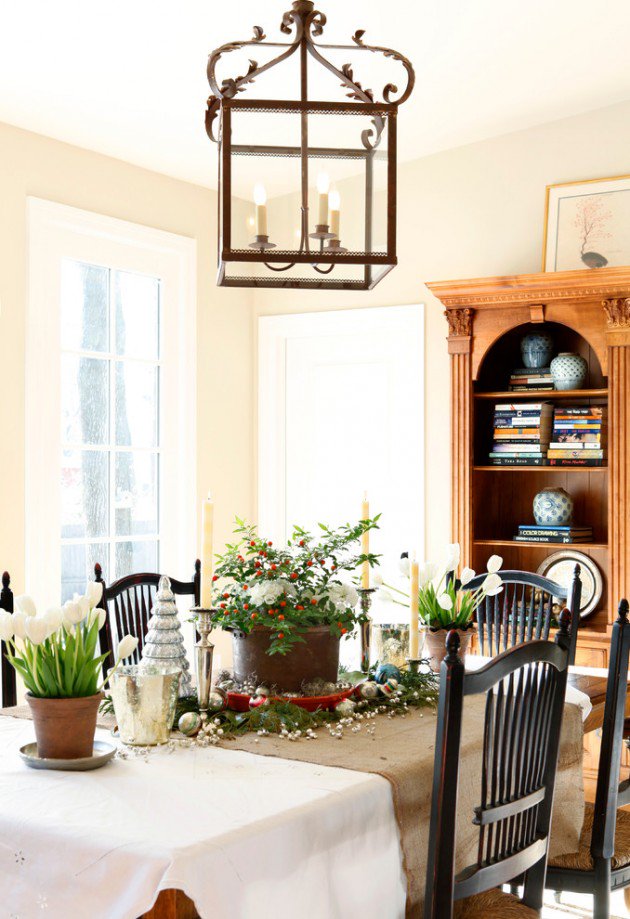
493,904
582,860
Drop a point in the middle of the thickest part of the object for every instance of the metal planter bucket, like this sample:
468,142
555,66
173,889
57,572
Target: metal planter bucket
144,701
317,656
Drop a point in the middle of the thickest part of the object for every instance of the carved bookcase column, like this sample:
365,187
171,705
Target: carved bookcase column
459,347
618,339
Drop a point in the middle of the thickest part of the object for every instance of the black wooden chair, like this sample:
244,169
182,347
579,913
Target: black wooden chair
602,862
524,610
7,673
128,602
525,688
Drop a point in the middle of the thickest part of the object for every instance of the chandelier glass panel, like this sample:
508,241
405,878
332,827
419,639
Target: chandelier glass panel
307,187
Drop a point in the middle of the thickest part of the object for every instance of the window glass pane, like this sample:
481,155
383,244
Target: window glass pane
84,306
84,493
136,494
84,400
77,566
135,557
136,404
137,300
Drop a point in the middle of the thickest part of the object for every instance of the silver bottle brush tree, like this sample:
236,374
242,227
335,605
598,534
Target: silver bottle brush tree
164,644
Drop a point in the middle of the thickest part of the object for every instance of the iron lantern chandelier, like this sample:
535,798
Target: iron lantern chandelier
298,239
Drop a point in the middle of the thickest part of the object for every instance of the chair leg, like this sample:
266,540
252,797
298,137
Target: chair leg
601,889
626,897
534,886
557,895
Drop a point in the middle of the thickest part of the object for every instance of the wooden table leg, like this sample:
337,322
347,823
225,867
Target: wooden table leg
172,904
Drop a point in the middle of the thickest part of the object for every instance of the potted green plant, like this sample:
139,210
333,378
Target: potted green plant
55,654
444,603
287,607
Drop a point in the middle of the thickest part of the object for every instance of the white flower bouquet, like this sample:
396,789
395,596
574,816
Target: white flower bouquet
444,602
55,653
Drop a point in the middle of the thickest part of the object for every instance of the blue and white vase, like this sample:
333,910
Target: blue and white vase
553,507
536,350
569,371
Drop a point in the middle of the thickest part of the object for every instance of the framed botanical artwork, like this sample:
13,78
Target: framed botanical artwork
587,224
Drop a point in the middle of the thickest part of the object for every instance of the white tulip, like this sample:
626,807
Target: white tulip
94,593
19,625
6,625
466,576
403,564
492,584
97,615
36,629
26,605
53,618
84,603
73,613
377,579
445,601
426,574
494,563
453,554
127,646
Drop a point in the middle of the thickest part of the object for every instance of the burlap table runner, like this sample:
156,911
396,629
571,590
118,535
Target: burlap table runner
402,750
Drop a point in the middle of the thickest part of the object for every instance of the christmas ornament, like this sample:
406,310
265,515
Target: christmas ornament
217,700
368,690
257,701
164,644
388,687
386,672
262,691
189,723
227,685
345,708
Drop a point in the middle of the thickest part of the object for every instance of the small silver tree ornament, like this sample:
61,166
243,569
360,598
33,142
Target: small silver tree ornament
164,644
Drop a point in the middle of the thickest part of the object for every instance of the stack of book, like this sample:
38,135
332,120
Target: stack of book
568,534
526,378
578,436
521,434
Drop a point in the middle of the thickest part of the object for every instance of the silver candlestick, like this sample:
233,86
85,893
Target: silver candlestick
203,657
413,664
365,599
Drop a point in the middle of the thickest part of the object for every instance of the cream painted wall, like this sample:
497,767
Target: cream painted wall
34,165
469,212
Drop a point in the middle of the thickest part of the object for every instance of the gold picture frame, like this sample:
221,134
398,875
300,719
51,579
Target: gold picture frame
605,224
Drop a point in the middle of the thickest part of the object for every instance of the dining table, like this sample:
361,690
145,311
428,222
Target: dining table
253,828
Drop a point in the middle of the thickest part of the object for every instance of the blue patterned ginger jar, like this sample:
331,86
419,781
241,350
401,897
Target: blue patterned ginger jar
536,350
553,507
569,371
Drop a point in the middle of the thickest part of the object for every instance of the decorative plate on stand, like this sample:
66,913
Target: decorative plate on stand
560,567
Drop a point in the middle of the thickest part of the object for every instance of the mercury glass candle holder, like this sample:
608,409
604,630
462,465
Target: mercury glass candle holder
144,699
365,599
204,650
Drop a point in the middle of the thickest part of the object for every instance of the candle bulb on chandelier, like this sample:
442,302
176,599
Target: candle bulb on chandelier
323,184
260,200
335,206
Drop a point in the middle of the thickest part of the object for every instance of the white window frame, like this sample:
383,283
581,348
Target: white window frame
274,331
57,232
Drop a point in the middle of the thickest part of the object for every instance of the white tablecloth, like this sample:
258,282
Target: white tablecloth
243,835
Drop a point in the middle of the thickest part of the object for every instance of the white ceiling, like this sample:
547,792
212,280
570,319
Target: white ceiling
127,77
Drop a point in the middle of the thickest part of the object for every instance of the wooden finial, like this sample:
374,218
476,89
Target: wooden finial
453,642
98,572
6,579
622,615
198,566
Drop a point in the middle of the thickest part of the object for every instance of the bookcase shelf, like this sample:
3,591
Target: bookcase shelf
547,546
545,469
544,395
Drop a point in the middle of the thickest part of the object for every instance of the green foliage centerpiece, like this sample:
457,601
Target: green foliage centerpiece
288,606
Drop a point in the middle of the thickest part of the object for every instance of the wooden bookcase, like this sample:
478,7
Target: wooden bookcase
588,312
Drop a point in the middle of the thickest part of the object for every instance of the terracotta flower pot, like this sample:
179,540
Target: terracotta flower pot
317,656
64,728
435,645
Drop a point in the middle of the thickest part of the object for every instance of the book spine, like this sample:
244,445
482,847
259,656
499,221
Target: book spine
545,539
519,461
515,408
551,531
576,462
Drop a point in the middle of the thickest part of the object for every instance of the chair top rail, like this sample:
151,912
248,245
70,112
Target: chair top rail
536,651
527,578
